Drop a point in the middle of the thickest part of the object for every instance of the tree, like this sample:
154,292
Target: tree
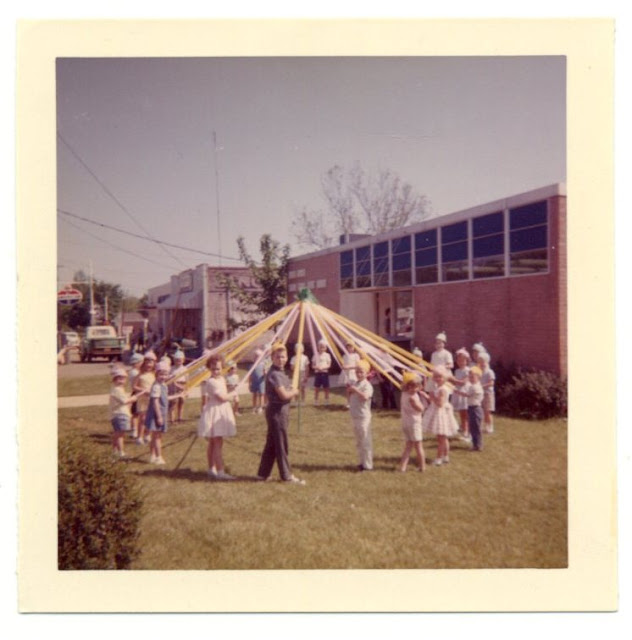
78,315
358,202
269,276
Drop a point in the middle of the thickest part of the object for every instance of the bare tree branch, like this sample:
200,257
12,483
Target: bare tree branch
359,202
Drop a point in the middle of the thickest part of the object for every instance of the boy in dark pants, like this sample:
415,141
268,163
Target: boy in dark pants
279,393
473,391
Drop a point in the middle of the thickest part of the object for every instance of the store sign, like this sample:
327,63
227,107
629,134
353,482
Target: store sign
69,296
186,281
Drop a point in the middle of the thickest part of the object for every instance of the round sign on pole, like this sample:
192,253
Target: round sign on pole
69,296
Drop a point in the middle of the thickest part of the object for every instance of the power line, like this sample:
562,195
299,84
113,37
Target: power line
150,239
111,195
136,255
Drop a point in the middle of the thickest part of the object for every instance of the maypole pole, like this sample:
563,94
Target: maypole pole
303,296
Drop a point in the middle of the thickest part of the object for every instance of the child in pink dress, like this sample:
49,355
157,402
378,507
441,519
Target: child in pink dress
439,417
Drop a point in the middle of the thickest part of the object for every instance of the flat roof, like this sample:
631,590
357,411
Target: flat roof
557,189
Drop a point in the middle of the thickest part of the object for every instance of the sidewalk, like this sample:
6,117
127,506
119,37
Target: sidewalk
67,402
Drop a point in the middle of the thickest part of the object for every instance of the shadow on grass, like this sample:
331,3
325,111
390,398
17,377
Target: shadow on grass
191,475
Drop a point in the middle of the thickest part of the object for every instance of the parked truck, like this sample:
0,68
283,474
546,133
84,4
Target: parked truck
101,342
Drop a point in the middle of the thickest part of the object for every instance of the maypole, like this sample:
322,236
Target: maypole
298,355
234,347
413,361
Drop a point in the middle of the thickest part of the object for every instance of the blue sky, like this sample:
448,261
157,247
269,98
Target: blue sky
136,146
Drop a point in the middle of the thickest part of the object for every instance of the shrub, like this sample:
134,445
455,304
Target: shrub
534,395
99,510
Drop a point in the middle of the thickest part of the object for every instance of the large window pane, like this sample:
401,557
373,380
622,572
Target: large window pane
363,267
487,225
528,262
528,239
401,261
531,238
528,215
488,267
426,257
346,270
488,246
452,252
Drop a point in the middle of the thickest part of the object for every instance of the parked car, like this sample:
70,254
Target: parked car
102,342
70,339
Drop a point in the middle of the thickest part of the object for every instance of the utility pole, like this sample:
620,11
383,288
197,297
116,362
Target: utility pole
92,311
219,232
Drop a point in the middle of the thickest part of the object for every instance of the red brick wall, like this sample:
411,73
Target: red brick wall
516,318
319,267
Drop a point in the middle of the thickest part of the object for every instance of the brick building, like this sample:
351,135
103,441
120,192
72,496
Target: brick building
494,273
196,305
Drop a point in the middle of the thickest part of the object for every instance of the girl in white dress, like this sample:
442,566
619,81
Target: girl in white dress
439,417
412,410
440,357
217,420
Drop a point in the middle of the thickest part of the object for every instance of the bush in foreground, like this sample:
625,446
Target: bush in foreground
533,395
99,510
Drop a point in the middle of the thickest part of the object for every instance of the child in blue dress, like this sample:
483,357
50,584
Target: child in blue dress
157,415
488,380
257,383
459,379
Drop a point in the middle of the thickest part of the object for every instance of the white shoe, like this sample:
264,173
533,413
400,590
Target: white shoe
152,459
222,475
295,480
212,474
160,460
438,462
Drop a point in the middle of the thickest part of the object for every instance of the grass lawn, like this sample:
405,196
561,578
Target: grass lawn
505,507
86,386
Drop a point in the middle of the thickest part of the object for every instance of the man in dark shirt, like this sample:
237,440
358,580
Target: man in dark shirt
279,393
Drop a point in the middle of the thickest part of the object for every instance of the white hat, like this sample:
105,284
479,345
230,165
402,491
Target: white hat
162,366
484,356
150,355
118,372
441,336
178,355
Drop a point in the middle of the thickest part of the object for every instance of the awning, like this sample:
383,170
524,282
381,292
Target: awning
186,300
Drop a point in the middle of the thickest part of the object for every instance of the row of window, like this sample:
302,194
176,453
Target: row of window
489,246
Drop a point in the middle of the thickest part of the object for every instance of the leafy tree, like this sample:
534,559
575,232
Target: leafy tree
358,202
78,315
269,276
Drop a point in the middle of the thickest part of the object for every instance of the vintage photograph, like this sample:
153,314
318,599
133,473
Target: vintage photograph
317,319
415,207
